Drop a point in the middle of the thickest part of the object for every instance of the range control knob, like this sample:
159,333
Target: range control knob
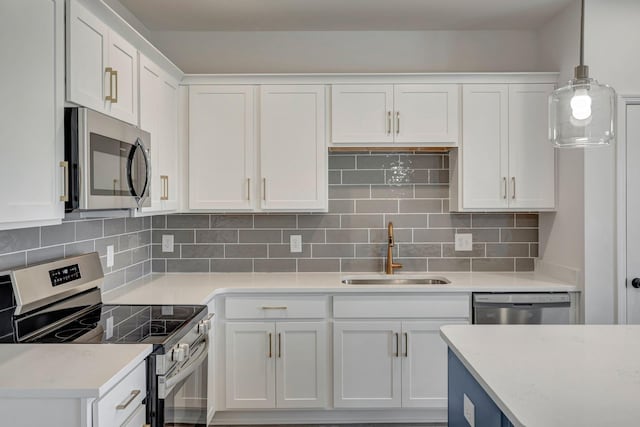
204,326
180,352
635,282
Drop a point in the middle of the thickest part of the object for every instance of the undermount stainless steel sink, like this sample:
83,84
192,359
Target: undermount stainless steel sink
432,280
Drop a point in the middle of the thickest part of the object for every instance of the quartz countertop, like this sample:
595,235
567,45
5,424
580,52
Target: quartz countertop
555,375
65,370
200,288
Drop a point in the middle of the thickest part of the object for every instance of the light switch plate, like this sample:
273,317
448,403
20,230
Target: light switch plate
464,242
295,243
167,243
469,411
110,256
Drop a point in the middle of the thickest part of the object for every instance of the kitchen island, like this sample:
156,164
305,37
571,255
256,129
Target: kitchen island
543,376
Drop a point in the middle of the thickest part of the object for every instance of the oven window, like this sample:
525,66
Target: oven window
109,159
186,403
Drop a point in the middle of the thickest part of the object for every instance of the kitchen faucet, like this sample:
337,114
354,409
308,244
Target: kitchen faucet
390,244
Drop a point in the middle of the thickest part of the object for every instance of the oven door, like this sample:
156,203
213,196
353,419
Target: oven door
182,393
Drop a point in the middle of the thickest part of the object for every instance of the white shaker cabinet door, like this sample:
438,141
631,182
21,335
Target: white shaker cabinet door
32,129
362,114
293,152
531,156
122,82
366,359
221,148
169,144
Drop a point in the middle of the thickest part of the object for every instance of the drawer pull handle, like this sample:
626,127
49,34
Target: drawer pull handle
397,344
406,344
128,400
270,347
274,307
279,345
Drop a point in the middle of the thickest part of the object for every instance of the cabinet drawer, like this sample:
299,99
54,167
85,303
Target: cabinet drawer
276,307
127,395
415,306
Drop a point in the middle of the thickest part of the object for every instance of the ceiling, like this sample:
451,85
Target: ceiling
347,15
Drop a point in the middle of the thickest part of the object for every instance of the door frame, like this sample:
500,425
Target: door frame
621,202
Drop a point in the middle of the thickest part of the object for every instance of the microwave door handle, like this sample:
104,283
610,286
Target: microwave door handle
187,370
147,164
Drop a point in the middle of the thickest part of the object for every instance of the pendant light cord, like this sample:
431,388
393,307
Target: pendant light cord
582,33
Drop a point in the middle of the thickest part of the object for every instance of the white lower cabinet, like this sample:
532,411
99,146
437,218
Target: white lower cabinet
275,365
121,405
138,418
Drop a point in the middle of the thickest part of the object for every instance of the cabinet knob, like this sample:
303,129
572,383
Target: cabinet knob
635,282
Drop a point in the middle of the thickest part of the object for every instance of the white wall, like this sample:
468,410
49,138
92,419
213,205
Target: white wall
349,51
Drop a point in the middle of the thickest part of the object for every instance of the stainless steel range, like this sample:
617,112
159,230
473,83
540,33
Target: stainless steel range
60,302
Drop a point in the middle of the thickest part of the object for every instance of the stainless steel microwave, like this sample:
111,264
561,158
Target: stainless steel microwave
109,165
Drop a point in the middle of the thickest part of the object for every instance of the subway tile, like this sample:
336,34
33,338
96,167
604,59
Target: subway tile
370,265
434,235
308,236
18,259
73,249
492,220
445,161
449,264
449,251
88,229
420,250
377,161
318,265
526,220
533,250
423,161
318,221
57,234
363,177
407,220
188,221
216,236
432,192
146,222
245,251
376,206
156,252
334,250
525,264
519,235
274,221
501,250
231,265
391,191
202,251
449,220
45,254
113,280
260,236
348,236
401,235
421,206
341,206
122,260
362,221
159,221
159,266
114,226
140,254
335,177
133,224
341,162
482,234
373,250
101,245
438,176
231,221
179,236
492,264
187,266
412,264
337,192
144,237
446,206
129,241
406,176
134,272
283,251
274,265
19,240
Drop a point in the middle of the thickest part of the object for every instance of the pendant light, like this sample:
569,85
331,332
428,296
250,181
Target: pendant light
582,113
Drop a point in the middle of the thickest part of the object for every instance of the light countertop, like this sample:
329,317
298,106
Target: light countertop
65,370
200,288
555,375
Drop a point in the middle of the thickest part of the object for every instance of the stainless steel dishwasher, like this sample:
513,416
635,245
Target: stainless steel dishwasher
521,308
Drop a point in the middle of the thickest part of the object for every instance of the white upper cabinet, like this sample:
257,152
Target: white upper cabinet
32,132
401,114
222,148
102,67
506,161
293,153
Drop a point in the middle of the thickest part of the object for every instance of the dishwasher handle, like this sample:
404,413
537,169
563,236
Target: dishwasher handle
510,299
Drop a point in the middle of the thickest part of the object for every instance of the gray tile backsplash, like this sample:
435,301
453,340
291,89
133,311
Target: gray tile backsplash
366,191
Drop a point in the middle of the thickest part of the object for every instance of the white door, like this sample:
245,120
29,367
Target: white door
293,151
426,114
301,364
122,82
424,364
169,144
87,58
250,365
362,114
633,212
532,164
32,131
221,147
366,363
485,150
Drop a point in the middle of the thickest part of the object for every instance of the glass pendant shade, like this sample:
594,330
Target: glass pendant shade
582,114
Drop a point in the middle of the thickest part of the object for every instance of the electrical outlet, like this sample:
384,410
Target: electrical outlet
295,243
110,256
464,242
469,411
109,329
167,243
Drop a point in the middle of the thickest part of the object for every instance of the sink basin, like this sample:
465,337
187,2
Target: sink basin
432,280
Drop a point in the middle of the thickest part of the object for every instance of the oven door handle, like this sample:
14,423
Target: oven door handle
193,363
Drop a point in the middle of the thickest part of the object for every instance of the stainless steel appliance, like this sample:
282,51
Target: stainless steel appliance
521,308
60,302
108,163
